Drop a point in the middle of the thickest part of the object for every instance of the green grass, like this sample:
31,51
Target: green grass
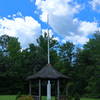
13,97
7,97
89,99
44,98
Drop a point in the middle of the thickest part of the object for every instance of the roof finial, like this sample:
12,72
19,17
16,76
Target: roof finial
48,39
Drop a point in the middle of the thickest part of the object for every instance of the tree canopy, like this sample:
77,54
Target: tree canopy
82,65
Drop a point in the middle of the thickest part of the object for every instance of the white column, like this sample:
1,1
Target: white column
49,90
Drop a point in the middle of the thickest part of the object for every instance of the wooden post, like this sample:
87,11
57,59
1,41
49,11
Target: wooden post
30,88
58,90
66,90
39,89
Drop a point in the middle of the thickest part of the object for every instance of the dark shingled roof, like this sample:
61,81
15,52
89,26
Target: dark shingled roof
48,72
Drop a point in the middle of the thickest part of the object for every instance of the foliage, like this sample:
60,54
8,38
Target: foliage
18,95
77,96
82,65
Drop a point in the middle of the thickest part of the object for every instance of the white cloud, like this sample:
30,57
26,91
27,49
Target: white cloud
82,32
88,27
57,38
95,5
62,19
57,8
15,15
76,39
61,13
26,29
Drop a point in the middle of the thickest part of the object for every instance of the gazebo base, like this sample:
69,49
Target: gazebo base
35,97
53,98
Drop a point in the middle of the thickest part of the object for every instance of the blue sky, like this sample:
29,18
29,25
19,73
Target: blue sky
69,20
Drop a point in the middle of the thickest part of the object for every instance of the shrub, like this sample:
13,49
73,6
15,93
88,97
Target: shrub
77,96
69,97
25,98
18,95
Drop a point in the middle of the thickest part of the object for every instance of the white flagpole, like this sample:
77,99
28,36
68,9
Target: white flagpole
48,40
48,84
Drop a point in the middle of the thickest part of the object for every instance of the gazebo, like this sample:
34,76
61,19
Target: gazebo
47,73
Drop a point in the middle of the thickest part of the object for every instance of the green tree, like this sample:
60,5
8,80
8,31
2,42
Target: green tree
13,47
93,46
4,39
88,67
67,52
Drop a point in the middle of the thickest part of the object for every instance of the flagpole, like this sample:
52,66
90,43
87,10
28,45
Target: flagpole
49,83
48,39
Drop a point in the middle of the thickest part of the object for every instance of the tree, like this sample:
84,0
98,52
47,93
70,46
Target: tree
13,47
66,53
88,66
4,60
43,47
93,46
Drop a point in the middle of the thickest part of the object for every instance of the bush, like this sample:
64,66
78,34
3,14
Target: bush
25,98
18,95
77,96
69,97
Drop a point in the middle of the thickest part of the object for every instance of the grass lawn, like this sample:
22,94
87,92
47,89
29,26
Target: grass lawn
44,98
13,97
7,97
89,99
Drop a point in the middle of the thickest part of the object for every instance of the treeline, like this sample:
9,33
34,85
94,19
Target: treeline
82,65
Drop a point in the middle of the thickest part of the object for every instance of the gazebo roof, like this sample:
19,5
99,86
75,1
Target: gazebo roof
48,72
